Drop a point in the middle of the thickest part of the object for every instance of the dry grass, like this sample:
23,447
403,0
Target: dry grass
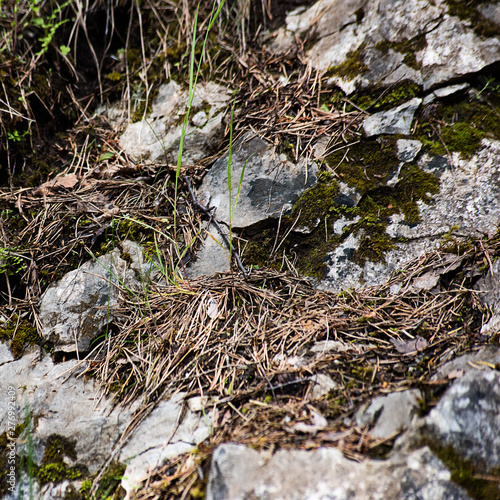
244,343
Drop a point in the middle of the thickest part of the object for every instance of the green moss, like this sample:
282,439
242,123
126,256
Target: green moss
54,469
467,474
316,203
20,336
467,11
353,65
368,165
386,98
407,47
460,125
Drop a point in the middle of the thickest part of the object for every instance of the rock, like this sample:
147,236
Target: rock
394,121
408,149
466,418
444,92
212,258
61,403
483,360
365,44
489,293
170,430
466,203
322,385
239,472
159,133
391,414
76,309
65,406
269,186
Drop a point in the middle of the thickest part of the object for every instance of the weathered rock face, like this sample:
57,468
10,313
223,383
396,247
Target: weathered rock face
467,419
379,43
465,204
240,472
268,184
159,133
68,412
76,310
263,185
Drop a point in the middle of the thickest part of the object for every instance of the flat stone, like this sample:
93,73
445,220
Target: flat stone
239,472
408,149
395,121
467,418
391,413
269,184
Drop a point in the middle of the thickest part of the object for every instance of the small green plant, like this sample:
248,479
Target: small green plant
11,262
50,25
16,136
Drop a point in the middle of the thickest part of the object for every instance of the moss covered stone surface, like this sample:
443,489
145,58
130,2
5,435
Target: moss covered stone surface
20,336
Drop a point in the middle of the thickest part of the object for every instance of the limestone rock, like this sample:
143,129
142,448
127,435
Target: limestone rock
269,186
395,121
466,200
382,43
76,310
169,431
159,133
391,414
467,418
239,472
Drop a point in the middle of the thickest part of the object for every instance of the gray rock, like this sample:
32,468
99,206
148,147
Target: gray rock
238,472
484,360
394,121
212,258
76,310
61,403
322,385
269,186
391,414
408,149
491,11
378,35
489,293
159,133
444,92
467,418
467,201
170,430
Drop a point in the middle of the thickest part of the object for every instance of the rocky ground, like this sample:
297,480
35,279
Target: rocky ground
278,280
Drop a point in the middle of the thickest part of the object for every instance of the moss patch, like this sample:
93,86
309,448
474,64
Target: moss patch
54,468
467,474
458,125
353,65
20,335
379,100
